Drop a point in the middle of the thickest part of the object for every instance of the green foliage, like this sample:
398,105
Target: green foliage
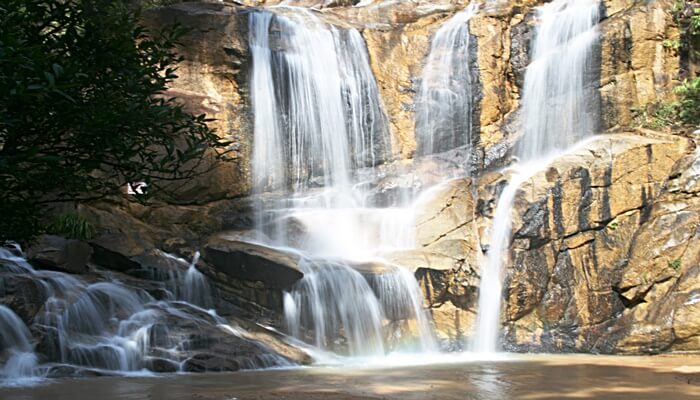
613,226
687,15
672,44
156,3
72,226
686,110
688,105
675,264
658,115
84,107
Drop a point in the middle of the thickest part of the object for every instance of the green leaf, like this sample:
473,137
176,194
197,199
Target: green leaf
50,78
57,70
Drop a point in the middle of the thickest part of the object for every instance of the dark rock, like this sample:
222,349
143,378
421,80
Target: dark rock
68,371
252,262
111,259
521,36
156,364
48,344
23,294
60,254
159,336
206,362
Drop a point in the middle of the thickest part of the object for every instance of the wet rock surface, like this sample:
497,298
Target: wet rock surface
252,262
107,322
57,253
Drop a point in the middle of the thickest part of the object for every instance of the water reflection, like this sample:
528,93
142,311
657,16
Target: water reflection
489,382
524,377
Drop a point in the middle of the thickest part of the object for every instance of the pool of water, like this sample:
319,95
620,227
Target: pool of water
510,377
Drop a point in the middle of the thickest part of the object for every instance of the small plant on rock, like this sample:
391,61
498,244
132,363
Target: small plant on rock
675,264
72,226
685,110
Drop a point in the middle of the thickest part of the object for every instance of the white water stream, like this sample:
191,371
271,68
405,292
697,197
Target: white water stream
444,105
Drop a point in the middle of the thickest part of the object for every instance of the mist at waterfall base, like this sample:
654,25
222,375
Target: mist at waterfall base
558,111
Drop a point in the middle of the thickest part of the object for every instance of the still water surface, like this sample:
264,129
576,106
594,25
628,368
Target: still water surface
516,377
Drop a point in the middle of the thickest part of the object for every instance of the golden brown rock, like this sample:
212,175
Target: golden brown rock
212,80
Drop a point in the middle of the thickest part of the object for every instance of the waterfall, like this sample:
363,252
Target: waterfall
15,346
559,105
338,308
399,294
444,106
196,286
558,110
491,286
267,130
184,281
14,334
334,298
320,131
317,109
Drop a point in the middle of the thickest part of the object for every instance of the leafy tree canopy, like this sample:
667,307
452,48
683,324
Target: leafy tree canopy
83,108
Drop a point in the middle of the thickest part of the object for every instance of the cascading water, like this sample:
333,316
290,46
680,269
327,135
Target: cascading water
559,105
444,107
558,109
189,285
317,108
106,326
197,289
319,120
16,348
334,298
485,339
267,130
402,300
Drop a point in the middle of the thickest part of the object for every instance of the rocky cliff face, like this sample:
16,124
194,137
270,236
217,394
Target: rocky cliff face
601,251
213,80
604,254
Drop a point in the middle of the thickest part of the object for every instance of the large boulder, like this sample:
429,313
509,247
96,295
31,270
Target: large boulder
22,293
60,254
253,262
